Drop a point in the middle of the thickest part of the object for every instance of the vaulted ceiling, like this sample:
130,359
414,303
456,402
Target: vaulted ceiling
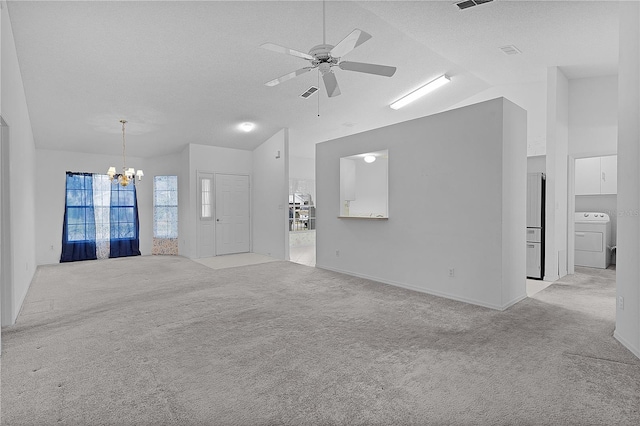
190,72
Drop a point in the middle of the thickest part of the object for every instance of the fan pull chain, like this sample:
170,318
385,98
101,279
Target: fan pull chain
319,89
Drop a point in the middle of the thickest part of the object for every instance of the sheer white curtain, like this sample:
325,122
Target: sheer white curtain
102,211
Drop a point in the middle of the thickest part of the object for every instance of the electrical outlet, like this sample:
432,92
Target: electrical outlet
621,303
337,253
452,272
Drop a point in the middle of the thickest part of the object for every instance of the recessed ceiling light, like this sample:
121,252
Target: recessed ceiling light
247,127
418,93
369,158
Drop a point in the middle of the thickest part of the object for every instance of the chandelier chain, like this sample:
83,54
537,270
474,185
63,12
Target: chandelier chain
128,175
124,158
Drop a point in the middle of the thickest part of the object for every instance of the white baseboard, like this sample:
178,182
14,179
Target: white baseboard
20,303
422,290
514,301
626,344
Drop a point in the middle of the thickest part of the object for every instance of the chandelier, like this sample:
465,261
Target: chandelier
128,175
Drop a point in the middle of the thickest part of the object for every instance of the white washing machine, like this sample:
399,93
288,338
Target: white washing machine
592,239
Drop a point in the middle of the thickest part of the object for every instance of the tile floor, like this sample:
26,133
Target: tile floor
305,255
535,286
233,260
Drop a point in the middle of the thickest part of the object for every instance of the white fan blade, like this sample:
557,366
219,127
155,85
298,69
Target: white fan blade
286,51
331,84
350,42
368,68
288,76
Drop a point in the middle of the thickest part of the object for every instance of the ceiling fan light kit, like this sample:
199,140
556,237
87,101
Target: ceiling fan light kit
420,92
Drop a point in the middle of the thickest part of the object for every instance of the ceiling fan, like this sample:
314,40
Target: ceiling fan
325,56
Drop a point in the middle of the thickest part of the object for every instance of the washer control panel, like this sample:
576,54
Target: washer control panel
591,217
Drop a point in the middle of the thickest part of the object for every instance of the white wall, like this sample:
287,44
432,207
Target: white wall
13,109
514,196
169,165
628,255
186,217
51,168
531,97
212,159
556,206
537,164
50,175
457,185
593,116
270,197
302,168
302,175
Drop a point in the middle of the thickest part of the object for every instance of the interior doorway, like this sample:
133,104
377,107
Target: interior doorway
592,221
302,221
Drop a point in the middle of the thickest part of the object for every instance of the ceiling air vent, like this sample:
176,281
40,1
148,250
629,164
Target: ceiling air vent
510,50
310,91
470,3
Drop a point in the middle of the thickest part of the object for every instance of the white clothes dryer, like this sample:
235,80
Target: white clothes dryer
592,239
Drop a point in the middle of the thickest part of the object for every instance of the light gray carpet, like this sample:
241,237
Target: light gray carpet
167,341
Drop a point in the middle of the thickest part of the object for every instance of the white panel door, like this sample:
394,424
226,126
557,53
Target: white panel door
232,214
609,174
206,228
588,176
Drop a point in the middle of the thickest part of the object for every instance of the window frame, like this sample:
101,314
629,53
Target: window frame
171,186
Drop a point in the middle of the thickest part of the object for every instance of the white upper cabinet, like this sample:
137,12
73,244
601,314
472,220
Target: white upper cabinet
609,174
588,176
597,175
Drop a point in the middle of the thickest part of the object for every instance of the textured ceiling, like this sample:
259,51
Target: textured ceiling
190,72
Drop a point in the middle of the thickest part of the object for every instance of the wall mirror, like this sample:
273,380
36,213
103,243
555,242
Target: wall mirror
364,185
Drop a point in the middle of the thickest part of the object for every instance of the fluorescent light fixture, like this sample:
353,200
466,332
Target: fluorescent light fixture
369,158
247,127
418,93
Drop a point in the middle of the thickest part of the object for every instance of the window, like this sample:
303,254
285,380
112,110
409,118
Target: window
205,190
165,207
100,220
80,221
123,212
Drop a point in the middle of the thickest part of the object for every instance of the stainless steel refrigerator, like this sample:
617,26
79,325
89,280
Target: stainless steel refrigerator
535,225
